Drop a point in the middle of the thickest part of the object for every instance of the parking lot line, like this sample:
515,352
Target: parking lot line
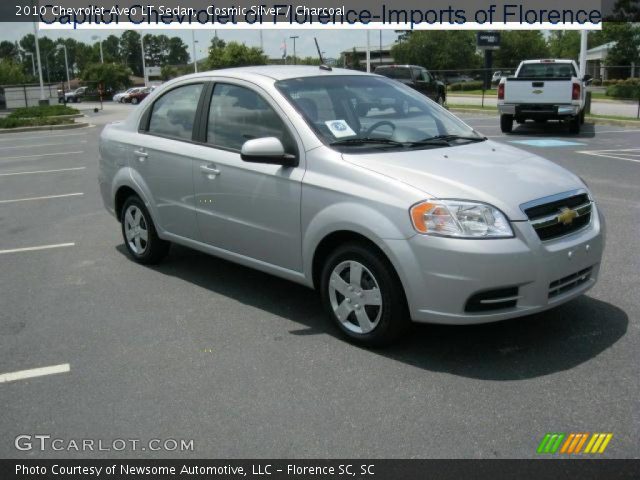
42,171
42,155
11,137
35,249
34,372
47,197
39,145
618,154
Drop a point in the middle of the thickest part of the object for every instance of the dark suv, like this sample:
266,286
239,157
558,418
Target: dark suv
418,78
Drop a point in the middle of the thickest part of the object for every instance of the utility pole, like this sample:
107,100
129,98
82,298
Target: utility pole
295,60
95,37
195,55
66,64
144,65
35,34
583,52
261,42
33,62
368,51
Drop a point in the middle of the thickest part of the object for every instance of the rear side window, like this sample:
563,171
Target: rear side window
174,113
399,73
238,114
547,70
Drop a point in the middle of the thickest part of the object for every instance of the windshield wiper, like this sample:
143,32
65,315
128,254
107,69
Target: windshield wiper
368,141
440,139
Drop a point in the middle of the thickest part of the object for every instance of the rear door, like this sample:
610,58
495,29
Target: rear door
162,154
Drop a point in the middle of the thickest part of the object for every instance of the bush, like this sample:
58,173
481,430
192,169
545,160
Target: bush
9,122
629,88
465,86
43,111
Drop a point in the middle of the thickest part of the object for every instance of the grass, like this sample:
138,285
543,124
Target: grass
43,111
12,122
493,92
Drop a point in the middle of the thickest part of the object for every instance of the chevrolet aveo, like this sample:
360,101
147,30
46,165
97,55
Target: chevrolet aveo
355,185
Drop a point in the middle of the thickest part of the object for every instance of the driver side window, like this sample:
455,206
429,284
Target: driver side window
238,114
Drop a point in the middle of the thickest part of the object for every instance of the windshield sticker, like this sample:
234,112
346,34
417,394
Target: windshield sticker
340,128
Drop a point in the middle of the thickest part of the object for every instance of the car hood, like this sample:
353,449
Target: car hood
488,172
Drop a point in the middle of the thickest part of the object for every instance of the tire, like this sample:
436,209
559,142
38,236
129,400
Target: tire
506,123
134,101
149,251
574,125
582,115
386,315
520,121
440,100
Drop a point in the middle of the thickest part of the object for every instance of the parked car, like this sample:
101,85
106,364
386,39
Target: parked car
137,96
73,96
496,77
390,217
417,78
543,90
451,79
120,95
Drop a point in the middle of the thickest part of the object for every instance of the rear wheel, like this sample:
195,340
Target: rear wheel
582,115
134,100
506,123
363,295
574,125
139,233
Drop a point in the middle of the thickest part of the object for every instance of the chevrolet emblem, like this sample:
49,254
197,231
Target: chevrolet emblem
566,216
536,92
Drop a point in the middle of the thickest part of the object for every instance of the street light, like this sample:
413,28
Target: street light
33,63
295,62
66,63
96,37
195,55
43,100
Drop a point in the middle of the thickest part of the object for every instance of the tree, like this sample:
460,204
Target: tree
112,76
130,51
9,51
564,44
111,49
11,72
234,54
178,53
625,11
518,45
625,51
438,50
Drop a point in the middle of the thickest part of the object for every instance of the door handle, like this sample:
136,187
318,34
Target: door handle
209,171
141,154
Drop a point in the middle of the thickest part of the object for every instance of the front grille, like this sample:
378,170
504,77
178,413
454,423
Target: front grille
560,217
568,283
492,300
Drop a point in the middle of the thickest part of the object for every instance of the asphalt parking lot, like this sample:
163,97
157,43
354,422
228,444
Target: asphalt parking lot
246,364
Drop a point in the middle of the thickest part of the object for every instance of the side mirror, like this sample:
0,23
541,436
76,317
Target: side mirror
587,79
267,150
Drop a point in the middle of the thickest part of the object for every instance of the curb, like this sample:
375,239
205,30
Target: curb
590,119
43,128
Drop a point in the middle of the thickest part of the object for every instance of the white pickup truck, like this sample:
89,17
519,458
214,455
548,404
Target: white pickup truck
543,90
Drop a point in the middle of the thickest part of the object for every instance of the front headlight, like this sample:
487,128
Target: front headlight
460,218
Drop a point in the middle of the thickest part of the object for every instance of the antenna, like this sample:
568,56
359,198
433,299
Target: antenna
323,66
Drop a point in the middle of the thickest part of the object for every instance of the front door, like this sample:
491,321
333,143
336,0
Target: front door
250,209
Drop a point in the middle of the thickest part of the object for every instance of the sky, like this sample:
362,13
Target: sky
332,42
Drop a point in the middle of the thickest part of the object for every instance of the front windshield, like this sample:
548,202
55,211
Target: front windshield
363,112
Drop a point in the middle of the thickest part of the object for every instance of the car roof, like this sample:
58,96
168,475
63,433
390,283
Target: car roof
277,72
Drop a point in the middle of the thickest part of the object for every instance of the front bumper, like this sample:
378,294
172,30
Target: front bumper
536,111
441,275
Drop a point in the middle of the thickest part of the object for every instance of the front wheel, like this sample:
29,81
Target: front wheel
134,100
440,100
363,295
139,233
506,123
